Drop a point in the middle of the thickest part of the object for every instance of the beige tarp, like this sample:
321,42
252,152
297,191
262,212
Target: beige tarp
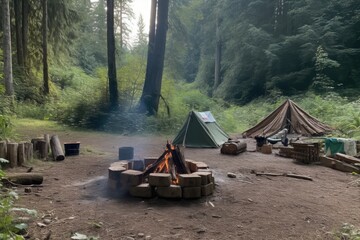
290,116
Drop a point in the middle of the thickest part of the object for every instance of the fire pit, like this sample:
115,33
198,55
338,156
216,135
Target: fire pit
169,176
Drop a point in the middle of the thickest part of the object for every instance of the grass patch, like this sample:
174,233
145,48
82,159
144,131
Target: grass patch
35,124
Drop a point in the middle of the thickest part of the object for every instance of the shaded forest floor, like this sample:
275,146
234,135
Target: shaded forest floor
75,197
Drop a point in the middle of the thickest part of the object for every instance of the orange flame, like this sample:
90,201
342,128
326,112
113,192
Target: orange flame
164,166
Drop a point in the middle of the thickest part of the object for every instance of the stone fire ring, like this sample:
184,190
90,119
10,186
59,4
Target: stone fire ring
128,176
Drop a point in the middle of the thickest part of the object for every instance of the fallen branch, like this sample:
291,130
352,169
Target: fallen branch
282,174
298,176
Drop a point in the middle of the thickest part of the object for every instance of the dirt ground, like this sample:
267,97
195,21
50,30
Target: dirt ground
74,197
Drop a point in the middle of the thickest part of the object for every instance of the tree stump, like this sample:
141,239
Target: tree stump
43,151
21,154
12,152
29,151
57,151
3,148
36,146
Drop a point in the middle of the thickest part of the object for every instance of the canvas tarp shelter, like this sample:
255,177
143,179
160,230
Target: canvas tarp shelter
290,116
200,130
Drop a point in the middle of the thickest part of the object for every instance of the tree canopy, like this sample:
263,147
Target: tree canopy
233,50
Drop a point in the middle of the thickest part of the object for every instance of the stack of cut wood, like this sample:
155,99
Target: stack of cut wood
16,153
20,153
43,145
233,147
342,162
286,151
306,152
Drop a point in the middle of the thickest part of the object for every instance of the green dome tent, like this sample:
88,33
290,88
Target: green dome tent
200,131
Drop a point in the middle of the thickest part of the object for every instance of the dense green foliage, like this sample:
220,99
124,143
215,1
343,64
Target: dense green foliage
269,47
306,50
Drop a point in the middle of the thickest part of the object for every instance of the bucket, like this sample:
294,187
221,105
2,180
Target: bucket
126,153
72,149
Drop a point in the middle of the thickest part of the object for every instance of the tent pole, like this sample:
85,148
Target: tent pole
187,127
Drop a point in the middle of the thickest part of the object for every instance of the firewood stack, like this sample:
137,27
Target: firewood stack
20,153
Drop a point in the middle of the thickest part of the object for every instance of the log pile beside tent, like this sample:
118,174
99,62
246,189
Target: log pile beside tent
290,116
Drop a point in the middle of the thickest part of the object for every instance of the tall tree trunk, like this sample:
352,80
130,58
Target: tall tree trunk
113,89
45,50
121,25
19,49
146,93
159,53
8,77
25,30
217,55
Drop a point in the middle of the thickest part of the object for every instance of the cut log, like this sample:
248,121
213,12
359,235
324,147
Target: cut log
338,165
345,167
12,152
346,158
29,151
3,148
57,151
43,151
25,178
21,154
233,147
47,146
36,146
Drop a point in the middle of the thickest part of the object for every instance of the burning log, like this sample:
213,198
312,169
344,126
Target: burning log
151,168
178,159
171,161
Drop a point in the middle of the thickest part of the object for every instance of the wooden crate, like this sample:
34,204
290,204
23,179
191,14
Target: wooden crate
306,152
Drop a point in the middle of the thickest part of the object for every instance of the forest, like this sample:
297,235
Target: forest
237,58
97,72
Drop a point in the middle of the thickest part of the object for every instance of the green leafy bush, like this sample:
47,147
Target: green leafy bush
6,128
9,228
347,232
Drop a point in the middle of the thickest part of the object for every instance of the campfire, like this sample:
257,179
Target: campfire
171,161
168,176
